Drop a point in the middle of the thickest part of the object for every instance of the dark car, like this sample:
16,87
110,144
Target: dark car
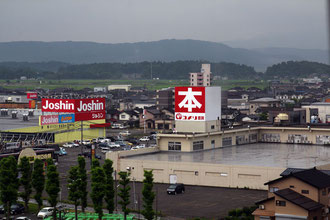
88,154
175,189
133,141
16,208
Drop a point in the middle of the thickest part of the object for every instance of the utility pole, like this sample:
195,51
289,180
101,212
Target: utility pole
116,193
151,69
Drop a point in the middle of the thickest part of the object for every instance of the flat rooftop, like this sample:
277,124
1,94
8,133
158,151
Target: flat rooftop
260,154
7,123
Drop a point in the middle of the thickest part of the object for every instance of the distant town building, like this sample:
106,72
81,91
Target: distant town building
119,87
100,89
203,78
314,80
165,99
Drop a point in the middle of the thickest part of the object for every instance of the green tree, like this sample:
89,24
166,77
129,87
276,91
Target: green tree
109,184
148,195
83,182
95,163
26,180
73,186
9,183
38,181
98,180
124,192
52,186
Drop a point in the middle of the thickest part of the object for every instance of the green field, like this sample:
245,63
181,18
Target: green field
148,84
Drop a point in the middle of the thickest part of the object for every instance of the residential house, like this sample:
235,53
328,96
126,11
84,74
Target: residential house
263,102
298,195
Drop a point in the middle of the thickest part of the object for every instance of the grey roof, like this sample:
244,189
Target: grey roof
261,154
265,100
320,103
298,199
7,123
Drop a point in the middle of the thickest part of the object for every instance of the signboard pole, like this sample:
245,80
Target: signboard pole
81,136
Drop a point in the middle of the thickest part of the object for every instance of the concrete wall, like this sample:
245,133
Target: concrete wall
318,136
202,174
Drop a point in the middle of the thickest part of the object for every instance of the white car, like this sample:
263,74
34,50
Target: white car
141,146
86,142
124,133
45,212
22,218
70,144
105,140
99,140
145,138
113,145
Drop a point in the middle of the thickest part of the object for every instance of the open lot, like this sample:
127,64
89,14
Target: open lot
209,202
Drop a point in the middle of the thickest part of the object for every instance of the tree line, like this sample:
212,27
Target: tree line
143,70
39,177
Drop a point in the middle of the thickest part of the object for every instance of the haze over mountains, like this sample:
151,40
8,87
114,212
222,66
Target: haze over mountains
163,50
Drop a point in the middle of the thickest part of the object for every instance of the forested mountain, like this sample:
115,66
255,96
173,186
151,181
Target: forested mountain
163,51
295,69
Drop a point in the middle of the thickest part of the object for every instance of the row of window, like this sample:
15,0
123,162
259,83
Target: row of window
197,145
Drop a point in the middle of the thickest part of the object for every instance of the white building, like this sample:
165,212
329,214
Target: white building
203,78
117,87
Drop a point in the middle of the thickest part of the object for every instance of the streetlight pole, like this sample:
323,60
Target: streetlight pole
134,195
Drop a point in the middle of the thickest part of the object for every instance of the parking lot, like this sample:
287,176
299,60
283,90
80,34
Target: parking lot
197,201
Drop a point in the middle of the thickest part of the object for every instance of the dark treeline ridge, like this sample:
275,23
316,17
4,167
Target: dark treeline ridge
294,69
161,70
143,70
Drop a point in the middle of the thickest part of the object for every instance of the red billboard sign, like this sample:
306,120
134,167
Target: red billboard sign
190,103
48,119
58,105
84,109
31,95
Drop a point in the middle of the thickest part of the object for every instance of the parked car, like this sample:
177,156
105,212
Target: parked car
14,209
105,150
22,218
70,145
141,146
175,189
99,139
17,209
45,212
145,138
62,151
88,154
133,140
120,143
114,145
124,133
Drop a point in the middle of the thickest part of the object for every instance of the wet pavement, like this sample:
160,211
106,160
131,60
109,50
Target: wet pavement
260,154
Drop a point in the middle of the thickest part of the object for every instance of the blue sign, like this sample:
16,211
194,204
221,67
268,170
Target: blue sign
66,118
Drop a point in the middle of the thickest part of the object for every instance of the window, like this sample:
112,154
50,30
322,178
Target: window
304,191
227,141
280,203
291,186
122,116
174,146
324,192
273,189
198,145
212,126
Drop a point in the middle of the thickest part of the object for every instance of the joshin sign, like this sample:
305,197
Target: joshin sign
190,103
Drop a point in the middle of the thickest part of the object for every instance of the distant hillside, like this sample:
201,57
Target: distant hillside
294,69
164,51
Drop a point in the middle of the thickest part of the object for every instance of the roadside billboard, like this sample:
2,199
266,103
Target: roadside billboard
190,103
31,95
197,103
66,118
48,119
84,109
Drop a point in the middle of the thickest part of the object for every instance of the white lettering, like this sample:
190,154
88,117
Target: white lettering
91,106
58,105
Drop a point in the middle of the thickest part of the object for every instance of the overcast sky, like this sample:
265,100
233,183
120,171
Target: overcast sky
240,23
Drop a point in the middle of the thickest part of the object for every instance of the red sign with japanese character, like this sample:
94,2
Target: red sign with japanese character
190,103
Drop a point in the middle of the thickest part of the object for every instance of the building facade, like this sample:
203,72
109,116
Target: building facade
203,78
